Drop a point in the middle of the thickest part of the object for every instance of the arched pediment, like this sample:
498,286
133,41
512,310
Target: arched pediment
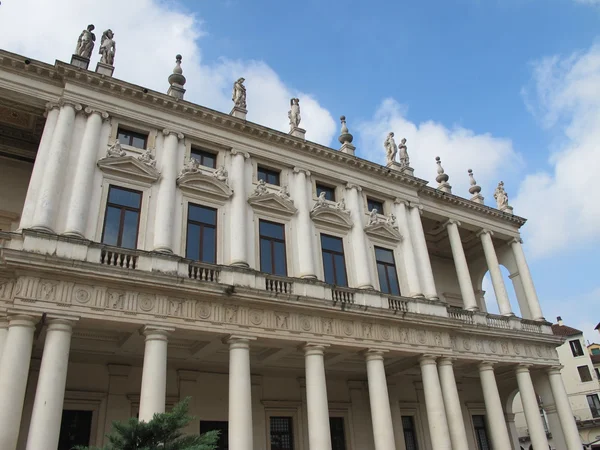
129,167
203,185
273,203
383,230
332,217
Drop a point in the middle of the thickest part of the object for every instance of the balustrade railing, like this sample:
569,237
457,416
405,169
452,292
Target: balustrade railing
530,326
397,304
342,295
203,272
281,286
460,314
118,258
498,322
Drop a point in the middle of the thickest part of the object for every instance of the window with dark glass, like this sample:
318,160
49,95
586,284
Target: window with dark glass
386,269
594,404
268,175
329,191
584,373
122,217
374,204
75,429
272,248
338,437
204,158
222,427
132,138
410,433
483,442
282,433
597,370
201,244
334,263
595,351
576,348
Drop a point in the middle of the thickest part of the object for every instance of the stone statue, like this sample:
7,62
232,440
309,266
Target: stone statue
108,48
189,166
321,201
284,192
221,174
85,43
391,220
501,197
239,93
148,158
294,113
390,148
115,150
261,189
404,161
341,205
373,219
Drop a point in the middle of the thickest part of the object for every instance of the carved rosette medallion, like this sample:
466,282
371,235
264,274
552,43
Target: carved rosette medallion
348,327
82,295
467,343
493,346
386,333
146,302
305,323
256,316
421,336
203,310
517,348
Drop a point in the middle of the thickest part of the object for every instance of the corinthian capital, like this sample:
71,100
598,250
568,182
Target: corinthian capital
89,111
167,132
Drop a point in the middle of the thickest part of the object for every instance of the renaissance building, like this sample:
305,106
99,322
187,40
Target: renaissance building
153,249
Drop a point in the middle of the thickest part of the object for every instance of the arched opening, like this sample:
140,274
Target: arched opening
491,302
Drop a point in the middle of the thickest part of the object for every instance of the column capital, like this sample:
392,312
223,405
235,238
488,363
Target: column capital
428,359
311,348
50,106
301,170
158,333
401,201
76,106
89,111
350,186
451,222
374,354
554,370
515,240
447,361
486,366
523,368
235,152
417,206
237,341
168,132
62,324
484,231
21,320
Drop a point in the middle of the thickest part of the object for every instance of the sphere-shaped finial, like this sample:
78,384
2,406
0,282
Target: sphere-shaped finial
474,189
442,177
345,136
177,78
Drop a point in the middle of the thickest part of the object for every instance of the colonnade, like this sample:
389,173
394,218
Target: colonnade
446,426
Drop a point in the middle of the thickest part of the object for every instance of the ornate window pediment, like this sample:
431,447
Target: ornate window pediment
204,185
129,167
332,217
383,230
273,203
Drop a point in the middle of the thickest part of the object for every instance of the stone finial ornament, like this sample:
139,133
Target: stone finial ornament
502,199
85,43
475,189
294,113
346,138
404,160
442,178
239,93
391,149
108,48
177,80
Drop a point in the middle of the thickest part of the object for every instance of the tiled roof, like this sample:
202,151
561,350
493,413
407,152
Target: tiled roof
563,330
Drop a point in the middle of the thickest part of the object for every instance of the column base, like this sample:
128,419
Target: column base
417,296
308,277
105,69
240,264
80,61
165,250
75,234
43,228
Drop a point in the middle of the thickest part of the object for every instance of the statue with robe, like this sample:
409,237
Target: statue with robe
404,161
108,48
390,148
294,113
239,93
501,197
85,43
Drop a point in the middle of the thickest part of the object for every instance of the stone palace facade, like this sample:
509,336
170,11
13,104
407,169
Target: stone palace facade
154,249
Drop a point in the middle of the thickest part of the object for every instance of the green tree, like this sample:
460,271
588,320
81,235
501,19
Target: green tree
163,432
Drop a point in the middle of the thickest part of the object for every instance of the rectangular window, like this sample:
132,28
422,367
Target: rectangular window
282,433
75,429
268,175
410,433
272,248
338,436
222,426
483,442
576,348
122,218
597,372
594,403
386,269
204,158
584,373
374,204
596,351
132,138
334,264
201,244
329,191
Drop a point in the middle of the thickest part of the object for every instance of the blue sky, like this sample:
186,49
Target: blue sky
509,88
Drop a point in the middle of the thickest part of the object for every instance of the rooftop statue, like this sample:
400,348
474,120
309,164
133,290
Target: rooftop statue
390,148
108,48
294,113
501,197
404,160
239,93
85,43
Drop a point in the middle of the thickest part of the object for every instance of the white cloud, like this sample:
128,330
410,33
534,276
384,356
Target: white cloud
561,203
459,149
149,33
588,2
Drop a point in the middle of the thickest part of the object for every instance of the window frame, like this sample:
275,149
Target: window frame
319,186
268,171
343,254
370,200
202,226
134,133
123,208
387,266
272,247
278,408
291,429
576,347
596,408
589,374
484,427
203,152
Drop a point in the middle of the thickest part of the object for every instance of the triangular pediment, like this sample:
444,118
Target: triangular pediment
383,230
332,217
204,185
129,167
273,203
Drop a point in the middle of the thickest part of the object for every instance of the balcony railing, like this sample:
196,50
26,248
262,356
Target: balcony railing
278,285
461,314
498,322
397,304
342,295
531,326
118,257
203,272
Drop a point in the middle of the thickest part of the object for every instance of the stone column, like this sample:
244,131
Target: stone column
456,424
381,413
14,368
153,394
359,241
563,408
531,408
167,190
526,280
495,273
512,430
240,397
50,190
422,254
434,403
3,333
317,407
41,160
44,428
238,210
302,189
493,407
84,174
410,261
462,268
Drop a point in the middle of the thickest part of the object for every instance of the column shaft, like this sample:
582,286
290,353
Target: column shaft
153,393
434,403
238,211
44,428
240,395
302,191
531,409
493,407
526,280
3,334
14,369
456,424
563,408
462,268
317,407
359,240
422,254
49,194
84,174
496,275
410,261
381,413
167,189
